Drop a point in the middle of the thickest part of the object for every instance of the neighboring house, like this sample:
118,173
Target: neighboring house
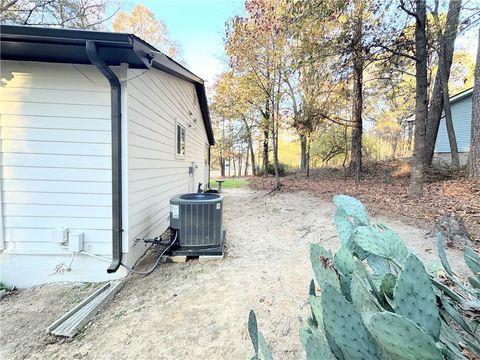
461,105
98,131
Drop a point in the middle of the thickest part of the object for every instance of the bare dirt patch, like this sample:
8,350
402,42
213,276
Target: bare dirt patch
199,310
385,192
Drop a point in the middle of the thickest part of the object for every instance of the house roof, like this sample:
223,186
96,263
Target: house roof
461,95
29,43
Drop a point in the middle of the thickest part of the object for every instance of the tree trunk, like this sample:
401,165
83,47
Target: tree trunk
240,165
222,167
357,93
436,103
250,150
307,155
247,154
222,159
452,139
252,159
421,99
474,156
273,114
266,135
303,153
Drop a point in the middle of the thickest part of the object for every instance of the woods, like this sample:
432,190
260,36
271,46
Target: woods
340,83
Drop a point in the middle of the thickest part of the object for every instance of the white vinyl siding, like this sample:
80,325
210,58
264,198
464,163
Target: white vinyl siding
462,122
157,102
56,163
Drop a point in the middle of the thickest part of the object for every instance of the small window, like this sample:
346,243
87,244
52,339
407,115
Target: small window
180,140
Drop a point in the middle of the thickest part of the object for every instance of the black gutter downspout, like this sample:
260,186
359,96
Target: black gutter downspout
116,106
209,160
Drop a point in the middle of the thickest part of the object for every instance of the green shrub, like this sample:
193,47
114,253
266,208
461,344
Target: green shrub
377,301
283,169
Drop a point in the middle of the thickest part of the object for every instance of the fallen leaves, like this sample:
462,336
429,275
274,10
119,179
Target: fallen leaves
388,195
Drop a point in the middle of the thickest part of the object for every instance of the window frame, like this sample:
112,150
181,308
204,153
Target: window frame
179,128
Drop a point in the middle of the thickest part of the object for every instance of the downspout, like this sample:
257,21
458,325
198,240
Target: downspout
209,159
116,103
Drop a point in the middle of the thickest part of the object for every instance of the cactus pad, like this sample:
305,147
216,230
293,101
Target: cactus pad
363,300
379,265
344,261
402,337
258,341
316,307
345,326
387,285
441,253
322,264
315,345
353,207
472,259
415,298
343,226
382,242
253,330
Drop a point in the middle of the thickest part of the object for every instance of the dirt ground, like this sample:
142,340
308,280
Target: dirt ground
199,310
384,189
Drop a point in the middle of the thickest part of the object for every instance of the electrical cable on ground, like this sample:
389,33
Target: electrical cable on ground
144,273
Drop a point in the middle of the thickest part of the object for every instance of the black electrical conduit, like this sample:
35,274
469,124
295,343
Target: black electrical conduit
148,272
116,116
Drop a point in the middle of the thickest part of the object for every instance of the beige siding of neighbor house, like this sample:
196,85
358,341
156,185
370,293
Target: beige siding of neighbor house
56,167
158,101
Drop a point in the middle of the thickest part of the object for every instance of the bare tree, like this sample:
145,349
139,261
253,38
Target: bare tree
76,14
421,98
444,75
357,93
446,47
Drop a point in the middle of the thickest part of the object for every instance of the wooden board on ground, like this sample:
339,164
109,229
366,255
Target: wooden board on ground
183,259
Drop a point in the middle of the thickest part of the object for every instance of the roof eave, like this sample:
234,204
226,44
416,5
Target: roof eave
28,43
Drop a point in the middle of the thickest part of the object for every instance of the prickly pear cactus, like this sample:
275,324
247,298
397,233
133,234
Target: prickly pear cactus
387,285
345,264
340,319
353,207
441,253
377,301
258,341
402,337
315,345
343,226
322,264
379,265
415,298
316,307
344,261
382,242
363,300
472,259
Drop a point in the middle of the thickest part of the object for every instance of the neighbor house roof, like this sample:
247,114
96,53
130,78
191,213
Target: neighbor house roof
461,95
28,43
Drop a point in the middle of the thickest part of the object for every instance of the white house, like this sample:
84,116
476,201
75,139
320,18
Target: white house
98,131
461,105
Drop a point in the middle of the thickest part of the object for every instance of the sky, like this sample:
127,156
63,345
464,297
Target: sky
198,25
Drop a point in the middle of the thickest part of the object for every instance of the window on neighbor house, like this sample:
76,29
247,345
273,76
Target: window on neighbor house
180,140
